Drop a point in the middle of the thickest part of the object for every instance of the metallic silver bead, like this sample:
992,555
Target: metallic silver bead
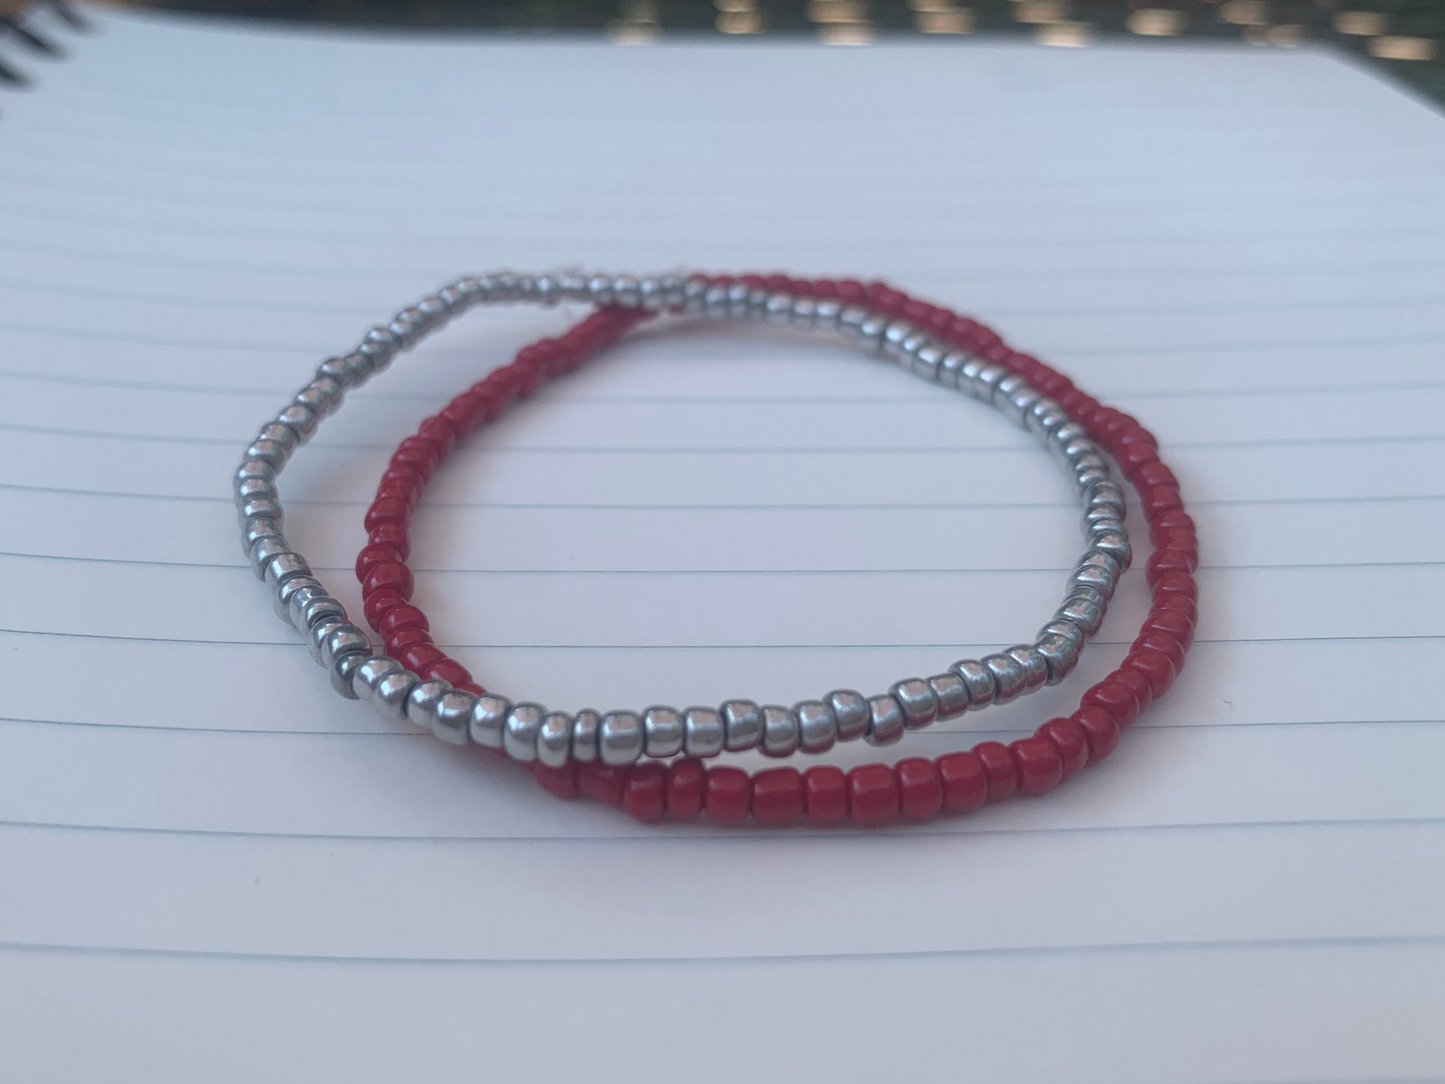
301,419
694,295
870,333
489,721
952,694
927,360
620,738
850,710
585,728
651,293
549,290
1008,677
367,676
309,605
743,723
1067,629
281,597
826,313
285,566
778,308
554,740
347,640
804,312
599,289
573,287
1115,544
1101,521
1093,576
1090,476
1035,666
343,370
1060,655
422,701
261,508
715,302
918,701
256,468
850,319
951,367
704,733
780,731
389,695
662,732
627,291
1044,417
1013,396
978,680
271,451
1083,610
519,736
323,395
817,729
1106,495
263,550
1069,431
886,721
895,334
455,299
745,302
673,289
344,672
452,717
315,637
978,378
248,489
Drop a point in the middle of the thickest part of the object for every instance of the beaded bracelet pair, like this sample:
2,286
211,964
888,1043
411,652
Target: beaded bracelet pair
615,756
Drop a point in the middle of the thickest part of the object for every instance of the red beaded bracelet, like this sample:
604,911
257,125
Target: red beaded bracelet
916,788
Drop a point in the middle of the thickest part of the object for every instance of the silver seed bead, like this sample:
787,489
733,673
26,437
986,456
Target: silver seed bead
367,676
554,740
422,701
1067,629
918,701
850,711
1070,430
951,368
519,737
778,308
263,550
817,729
599,289
1036,668
673,289
927,361
488,723
780,731
344,672
651,294
256,468
280,433
389,696
1115,544
895,334
574,287
626,291
285,566
1084,611
585,728
1089,460
620,738
269,450
1092,576
453,298
281,597
1044,417
886,722
826,313
804,312
340,369
742,303
694,295
1106,495
261,508
952,694
850,320
978,680
662,732
347,640
437,311
451,718
1060,655
247,489
704,733
316,636
743,723
1083,590
300,418
870,333
715,302
1008,677
1104,523
310,605
1013,396
1089,477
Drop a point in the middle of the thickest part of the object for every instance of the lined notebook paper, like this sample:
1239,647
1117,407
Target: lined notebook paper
214,869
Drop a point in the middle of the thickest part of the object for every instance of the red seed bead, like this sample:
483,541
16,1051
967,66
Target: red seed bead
920,790
965,782
401,617
1100,728
1153,473
825,289
387,510
1177,582
825,795
1162,561
449,670
1162,641
464,414
1040,766
1138,684
1180,604
379,602
872,794
1171,621
1156,666
418,657
559,781
999,767
1071,742
400,641
1157,500
400,491
777,796
729,795
376,554
1136,458
1177,538
1137,434
601,782
394,535
1178,519
1118,699
388,576
440,432
644,794
529,376
851,292
419,453
686,780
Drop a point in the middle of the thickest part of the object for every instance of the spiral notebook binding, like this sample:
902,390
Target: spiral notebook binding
19,31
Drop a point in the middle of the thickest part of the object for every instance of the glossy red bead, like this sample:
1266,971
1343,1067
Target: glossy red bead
440,432
388,510
825,795
378,603
401,617
388,576
1118,699
1162,561
920,789
1162,641
420,454
872,794
1071,742
729,795
1176,582
559,781
1137,434
1157,500
1172,520
601,782
1180,604
999,767
1172,621
393,535
376,554
1154,473
1040,765
777,796
1156,667
965,782
1138,684
644,792
418,657
450,671
686,781
1100,728
398,642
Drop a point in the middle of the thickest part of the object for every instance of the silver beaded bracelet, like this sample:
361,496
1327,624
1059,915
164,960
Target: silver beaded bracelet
529,732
